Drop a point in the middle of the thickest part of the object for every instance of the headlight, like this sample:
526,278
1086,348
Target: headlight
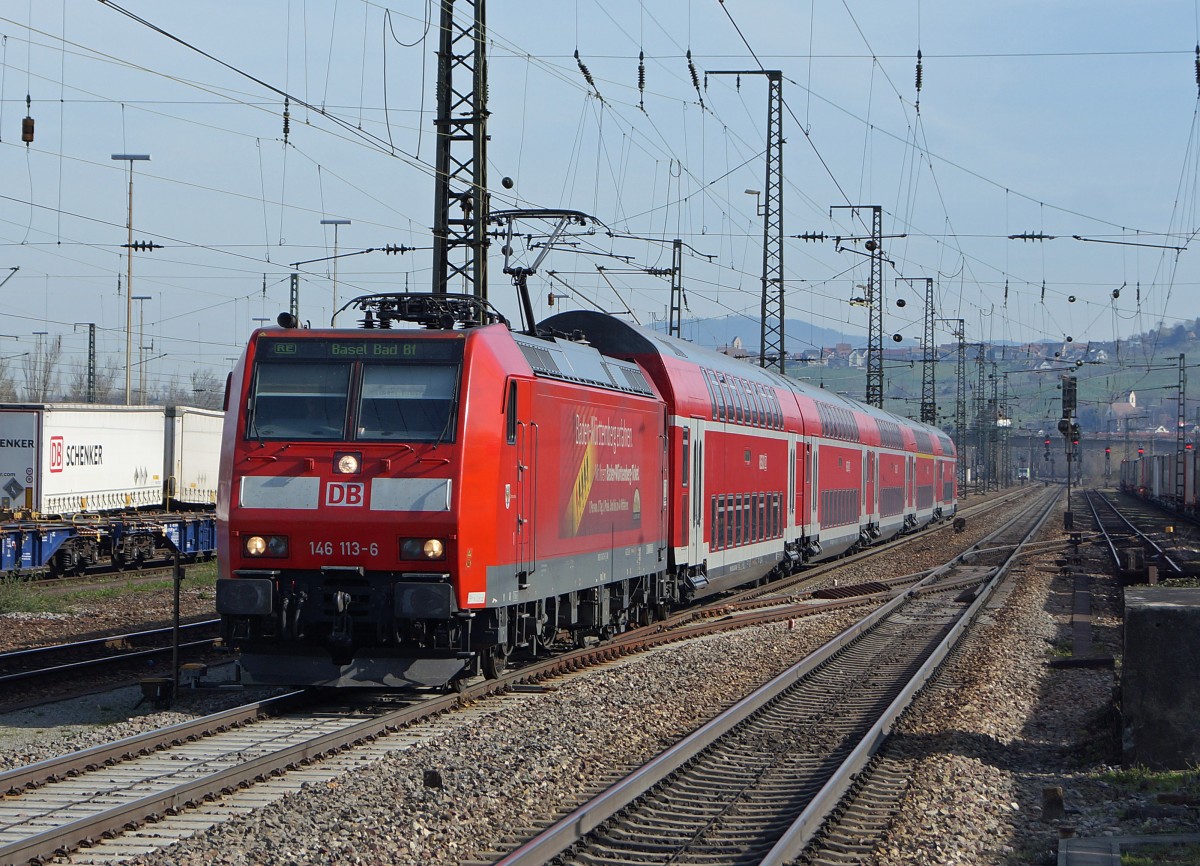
266,545
347,463
422,548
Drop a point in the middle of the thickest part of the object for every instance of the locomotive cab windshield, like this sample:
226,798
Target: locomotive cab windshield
355,390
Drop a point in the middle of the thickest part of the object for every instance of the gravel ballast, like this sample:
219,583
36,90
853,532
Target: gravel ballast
983,745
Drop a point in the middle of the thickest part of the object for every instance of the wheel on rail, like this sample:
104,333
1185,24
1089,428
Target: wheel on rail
495,660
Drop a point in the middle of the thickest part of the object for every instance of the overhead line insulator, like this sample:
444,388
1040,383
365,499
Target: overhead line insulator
642,80
587,73
919,76
695,78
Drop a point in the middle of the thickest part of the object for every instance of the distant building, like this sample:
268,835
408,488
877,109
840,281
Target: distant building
735,349
1123,412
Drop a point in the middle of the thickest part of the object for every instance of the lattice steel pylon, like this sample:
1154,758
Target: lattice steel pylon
675,316
1181,436
960,399
929,361
1003,432
460,237
979,459
928,356
771,335
294,295
873,300
91,362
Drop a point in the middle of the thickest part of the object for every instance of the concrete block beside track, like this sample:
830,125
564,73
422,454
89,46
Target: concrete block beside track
1160,678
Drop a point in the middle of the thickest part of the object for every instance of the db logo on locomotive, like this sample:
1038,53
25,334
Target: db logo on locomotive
351,493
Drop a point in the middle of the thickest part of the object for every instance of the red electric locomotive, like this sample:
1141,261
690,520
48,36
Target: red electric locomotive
407,506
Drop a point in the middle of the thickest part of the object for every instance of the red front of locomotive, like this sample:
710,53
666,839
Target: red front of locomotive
343,477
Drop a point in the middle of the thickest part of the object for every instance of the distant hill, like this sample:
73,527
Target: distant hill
798,335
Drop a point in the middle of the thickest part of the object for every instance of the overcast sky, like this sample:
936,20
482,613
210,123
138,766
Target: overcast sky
1057,119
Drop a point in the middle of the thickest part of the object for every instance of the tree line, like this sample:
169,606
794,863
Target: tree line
38,376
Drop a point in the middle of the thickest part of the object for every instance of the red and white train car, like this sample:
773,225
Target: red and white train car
408,506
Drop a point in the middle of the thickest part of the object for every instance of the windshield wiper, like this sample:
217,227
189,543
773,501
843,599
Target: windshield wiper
450,414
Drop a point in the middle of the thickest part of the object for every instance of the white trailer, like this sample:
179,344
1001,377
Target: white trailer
193,455
67,458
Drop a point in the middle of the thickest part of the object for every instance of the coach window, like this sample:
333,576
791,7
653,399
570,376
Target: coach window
685,468
718,522
712,392
719,390
299,401
408,402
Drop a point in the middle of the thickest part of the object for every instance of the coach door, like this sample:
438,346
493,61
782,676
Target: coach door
525,432
691,496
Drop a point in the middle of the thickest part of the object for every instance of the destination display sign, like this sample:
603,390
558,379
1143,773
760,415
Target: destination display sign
390,349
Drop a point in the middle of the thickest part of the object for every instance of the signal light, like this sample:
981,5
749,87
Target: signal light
1187,447
1107,451
1141,451
1047,443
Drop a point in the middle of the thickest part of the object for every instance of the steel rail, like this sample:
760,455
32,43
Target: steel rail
588,817
70,835
1145,539
84,664
117,655
13,781
806,825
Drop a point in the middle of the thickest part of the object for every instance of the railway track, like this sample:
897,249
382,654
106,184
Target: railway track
87,657
1165,540
756,784
146,777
